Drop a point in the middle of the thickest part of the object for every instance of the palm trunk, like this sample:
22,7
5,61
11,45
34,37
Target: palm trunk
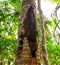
43,39
27,48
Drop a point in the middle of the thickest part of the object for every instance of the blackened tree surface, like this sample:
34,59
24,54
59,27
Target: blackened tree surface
27,48
43,39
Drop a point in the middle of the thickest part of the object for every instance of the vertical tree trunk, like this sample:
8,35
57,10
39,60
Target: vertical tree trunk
27,48
43,40
0,62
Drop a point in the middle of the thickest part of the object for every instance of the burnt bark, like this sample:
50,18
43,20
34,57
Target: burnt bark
27,49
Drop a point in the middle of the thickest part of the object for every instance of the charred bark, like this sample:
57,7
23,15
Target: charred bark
30,30
27,49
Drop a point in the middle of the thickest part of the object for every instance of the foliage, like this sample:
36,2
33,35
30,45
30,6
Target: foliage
7,48
56,0
53,51
17,4
8,32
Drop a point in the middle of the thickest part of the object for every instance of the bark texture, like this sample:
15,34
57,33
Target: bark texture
27,48
43,39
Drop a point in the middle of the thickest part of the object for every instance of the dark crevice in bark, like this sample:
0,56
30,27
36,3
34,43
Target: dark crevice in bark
28,53
30,30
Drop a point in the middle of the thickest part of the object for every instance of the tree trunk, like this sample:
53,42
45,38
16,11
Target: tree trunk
27,48
0,62
43,39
